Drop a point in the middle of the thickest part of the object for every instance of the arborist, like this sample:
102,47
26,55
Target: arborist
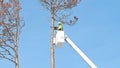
60,27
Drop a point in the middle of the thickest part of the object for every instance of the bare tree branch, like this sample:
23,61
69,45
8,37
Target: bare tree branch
10,28
3,56
61,5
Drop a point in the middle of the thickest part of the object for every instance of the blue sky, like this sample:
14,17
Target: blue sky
97,34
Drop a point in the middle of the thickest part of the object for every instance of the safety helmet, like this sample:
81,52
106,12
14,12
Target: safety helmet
59,23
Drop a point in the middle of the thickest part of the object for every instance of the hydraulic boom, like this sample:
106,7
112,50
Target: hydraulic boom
83,56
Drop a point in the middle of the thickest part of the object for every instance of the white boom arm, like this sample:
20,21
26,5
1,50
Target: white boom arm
83,56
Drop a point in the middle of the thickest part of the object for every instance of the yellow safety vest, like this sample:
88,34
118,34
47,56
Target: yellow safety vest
60,27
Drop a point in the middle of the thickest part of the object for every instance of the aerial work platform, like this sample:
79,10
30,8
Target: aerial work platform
61,37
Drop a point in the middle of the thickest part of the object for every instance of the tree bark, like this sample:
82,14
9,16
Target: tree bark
16,57
51,42
16,47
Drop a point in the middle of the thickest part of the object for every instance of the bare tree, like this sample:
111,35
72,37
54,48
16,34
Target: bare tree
57,8
10,29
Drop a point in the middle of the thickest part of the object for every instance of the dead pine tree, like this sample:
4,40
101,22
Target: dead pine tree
57,8
10,28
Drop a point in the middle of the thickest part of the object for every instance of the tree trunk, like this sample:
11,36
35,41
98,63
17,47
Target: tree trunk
16,49
51,42
16,57
16,43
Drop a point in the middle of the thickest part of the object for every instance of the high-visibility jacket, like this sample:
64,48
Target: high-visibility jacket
60,27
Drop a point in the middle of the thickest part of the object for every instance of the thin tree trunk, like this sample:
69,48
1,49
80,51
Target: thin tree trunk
17,36
16,57
16,47
51,42
16,41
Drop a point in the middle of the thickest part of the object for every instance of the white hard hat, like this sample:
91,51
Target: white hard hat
59,22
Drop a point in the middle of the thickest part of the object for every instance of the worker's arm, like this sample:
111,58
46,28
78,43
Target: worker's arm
55,28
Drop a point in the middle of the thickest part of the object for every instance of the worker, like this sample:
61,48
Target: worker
60,27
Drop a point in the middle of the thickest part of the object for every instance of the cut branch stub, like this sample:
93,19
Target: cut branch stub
72,22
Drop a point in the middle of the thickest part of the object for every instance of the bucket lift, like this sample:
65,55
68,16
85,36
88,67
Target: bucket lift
61,38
